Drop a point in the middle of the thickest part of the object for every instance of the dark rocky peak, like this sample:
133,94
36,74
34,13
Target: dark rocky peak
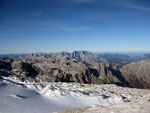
23,68
5,63
7,59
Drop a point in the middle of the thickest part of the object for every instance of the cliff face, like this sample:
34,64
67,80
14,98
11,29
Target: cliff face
137,74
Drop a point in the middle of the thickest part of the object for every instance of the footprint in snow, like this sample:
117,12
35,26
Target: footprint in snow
19,96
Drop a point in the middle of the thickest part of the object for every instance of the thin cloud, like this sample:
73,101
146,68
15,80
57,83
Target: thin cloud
79,1
48,25
59,25
81,28
134,6
37,13
8,29
83,1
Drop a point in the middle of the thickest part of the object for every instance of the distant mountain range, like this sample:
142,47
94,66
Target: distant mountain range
144,57
88,57
84,56
79,66
12,55
117,58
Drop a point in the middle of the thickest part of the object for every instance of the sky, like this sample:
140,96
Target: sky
29,26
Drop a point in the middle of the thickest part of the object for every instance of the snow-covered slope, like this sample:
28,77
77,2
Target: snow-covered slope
17,97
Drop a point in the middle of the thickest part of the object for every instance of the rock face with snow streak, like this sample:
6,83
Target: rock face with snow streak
137,74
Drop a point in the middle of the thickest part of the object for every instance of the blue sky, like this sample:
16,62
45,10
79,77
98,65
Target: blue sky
66,25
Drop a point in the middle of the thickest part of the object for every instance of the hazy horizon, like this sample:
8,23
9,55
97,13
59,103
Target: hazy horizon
95,52
131,54
67,25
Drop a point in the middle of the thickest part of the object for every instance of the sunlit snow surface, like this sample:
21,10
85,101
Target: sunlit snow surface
23,98
32,102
